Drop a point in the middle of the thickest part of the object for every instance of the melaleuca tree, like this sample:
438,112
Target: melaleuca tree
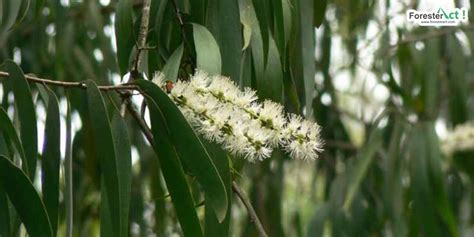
232,118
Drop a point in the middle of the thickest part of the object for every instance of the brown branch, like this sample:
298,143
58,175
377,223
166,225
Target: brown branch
141,122
141,37
180,20
141,44
430,35
253,215
68,84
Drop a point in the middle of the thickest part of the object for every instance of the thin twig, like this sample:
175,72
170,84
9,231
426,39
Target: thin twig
430,35
253,215
141,36
141,43
68,194
141,122
68,84
180,20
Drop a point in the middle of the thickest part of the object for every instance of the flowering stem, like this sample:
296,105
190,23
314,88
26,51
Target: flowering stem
253,215
68,84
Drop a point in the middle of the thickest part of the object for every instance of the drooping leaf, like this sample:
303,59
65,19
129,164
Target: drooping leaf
106,152
424,213
171,68
9,130
362,165
51,160
319,12
271,85
124,34
212,225
173,171
5,228
304,66
24,198
26,114
249,17
124,161
12,13
207,50
68,193
223,20
190,149
436,179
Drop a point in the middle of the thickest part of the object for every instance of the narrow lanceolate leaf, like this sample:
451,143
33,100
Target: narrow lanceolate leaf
171,68
5,229
319,12
424,212
26,114
212,225
223,20
362,165
124,159
68,196
173,171
50,164
190,149
9,130
271,85
207,50
24,198
124,34
306,50
11,14
105,150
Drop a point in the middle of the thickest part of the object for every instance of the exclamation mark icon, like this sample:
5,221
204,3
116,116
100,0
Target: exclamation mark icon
464,14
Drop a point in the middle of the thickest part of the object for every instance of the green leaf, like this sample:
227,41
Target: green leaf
223,20
316,226
106,152
13,7
362,165
124,34
208,56
319,12
271,85
68,195
124,161
24,198
9,130
106,227
221,160
171,68
5,229
26,114
304,47
171,167
51,160
440,195
190,149
424,212
249,17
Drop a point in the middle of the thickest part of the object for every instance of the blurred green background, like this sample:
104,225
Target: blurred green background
386,93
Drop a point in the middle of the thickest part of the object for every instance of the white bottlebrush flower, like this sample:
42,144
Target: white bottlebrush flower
301,138
460,139
222,113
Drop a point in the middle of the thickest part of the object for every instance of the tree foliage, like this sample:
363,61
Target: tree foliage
90,146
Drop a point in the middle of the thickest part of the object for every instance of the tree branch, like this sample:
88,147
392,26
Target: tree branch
253,215
67,84
143,126
141,37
